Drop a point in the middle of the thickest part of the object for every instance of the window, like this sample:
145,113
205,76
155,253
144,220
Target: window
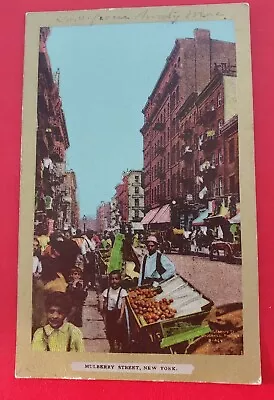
152,197
136,203
136,189
136,178
220,157
214,189
168,109
231,150
232,184
219,100
178,63
220,124
221,186
136,214
168,160
168,134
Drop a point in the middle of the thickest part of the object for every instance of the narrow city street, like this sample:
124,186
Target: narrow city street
219,281
93,325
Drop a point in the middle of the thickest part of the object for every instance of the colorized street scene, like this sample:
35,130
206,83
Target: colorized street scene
137,224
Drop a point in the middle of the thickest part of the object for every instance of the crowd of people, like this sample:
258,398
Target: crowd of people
64,269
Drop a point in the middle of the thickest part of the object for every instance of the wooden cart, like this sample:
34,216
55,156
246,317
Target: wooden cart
171,335
226,251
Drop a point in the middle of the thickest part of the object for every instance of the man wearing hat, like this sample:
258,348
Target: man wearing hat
155,266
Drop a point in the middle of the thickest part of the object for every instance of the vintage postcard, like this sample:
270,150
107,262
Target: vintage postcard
137,244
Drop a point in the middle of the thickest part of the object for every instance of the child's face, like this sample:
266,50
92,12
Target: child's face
76,275
55,317
115,281
35,246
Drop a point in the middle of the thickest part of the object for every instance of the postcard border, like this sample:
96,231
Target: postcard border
226,369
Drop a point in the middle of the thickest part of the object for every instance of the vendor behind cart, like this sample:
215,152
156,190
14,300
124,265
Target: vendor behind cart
156,266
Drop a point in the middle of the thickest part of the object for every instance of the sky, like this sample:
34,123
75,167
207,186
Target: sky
107,73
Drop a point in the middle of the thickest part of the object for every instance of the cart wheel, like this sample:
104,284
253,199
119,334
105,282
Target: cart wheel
214,254
228,256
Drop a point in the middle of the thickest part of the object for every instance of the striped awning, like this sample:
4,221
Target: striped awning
162,216
149,216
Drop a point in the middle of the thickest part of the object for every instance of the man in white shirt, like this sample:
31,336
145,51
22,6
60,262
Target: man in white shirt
155,266
88,251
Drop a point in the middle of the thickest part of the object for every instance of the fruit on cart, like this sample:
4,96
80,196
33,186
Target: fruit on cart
147,308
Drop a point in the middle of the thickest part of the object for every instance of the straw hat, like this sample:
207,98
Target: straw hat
152,239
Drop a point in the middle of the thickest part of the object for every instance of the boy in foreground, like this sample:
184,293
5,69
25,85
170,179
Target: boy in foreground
58,334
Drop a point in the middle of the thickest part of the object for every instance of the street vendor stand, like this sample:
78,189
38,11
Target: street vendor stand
170,335
226,250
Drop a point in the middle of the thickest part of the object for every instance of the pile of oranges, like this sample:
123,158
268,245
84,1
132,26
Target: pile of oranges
145,306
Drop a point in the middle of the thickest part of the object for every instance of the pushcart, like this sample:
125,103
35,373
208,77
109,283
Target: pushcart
171,335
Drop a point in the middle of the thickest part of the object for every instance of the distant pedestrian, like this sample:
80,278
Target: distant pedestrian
78,295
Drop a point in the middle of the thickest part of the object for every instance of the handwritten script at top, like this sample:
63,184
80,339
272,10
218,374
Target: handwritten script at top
148,15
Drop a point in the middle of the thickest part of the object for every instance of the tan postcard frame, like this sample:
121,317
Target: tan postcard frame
236,369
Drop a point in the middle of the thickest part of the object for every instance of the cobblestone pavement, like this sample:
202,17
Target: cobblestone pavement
93,325
219,281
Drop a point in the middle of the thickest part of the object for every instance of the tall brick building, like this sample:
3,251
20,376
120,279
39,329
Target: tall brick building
71,206
183,143
52,143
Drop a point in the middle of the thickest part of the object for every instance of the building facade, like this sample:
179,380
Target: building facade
183,143
52,143
103,217
135,197
122,199
71,206
115,214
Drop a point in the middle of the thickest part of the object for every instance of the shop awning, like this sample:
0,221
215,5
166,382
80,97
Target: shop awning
236,219
199,221
149,216
162,216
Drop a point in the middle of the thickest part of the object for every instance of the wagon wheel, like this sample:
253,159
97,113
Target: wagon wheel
214,253
228,255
